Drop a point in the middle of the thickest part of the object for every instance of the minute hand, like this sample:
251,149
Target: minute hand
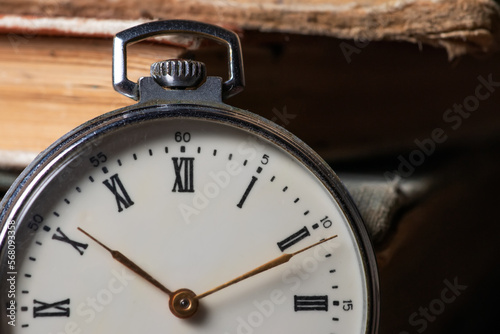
269,265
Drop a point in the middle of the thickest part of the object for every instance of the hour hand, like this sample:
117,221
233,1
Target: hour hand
129,264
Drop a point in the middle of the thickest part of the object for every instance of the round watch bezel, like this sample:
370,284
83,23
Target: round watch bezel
50,160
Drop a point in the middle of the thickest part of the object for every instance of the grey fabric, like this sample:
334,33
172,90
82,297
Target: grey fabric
379,200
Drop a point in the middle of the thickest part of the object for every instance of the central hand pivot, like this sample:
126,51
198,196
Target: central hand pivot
183,303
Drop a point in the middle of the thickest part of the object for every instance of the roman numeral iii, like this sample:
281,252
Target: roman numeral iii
310,303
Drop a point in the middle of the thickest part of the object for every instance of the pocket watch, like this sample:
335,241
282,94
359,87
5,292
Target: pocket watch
182,214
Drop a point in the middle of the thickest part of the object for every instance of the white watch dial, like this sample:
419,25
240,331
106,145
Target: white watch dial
194,203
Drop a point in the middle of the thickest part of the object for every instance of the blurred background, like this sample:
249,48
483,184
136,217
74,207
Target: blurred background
400,97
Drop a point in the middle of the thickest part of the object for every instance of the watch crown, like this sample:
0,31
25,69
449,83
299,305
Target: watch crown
178,73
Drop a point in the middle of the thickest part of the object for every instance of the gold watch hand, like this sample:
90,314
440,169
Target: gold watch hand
269,265
129,264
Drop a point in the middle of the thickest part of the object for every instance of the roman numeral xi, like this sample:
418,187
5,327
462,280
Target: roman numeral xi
115,185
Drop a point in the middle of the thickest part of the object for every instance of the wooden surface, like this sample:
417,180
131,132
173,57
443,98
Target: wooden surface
460,26
55,66
381,102
50,85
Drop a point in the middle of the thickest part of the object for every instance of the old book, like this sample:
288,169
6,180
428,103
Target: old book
358,97
460,26
52,84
